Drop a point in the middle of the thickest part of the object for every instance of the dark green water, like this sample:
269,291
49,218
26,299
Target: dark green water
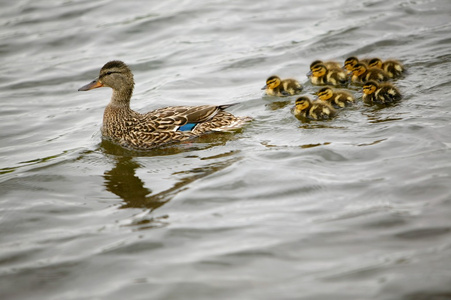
354,208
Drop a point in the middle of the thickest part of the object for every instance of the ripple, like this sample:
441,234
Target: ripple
353,208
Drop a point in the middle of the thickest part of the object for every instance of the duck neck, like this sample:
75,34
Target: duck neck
116,114
117,110
121,98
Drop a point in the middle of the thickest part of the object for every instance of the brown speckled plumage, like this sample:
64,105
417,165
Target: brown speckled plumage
162,126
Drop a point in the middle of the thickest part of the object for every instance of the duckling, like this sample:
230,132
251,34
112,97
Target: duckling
380,93
304,108
277,87
393,68
328,64
162,126
351,61
320,75
337,98
361,74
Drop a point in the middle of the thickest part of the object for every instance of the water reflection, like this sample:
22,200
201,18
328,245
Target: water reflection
275,105
122,180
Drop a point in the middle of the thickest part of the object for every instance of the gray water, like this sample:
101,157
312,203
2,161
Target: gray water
353,208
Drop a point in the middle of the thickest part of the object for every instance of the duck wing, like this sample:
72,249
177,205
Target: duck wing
175,117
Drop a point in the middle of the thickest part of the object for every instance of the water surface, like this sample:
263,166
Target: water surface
354,208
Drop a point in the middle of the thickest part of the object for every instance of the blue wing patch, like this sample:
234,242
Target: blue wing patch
187,127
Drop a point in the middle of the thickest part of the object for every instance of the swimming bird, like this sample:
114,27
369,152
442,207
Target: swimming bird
337,98
380,93
162,126
304,108
320,75
393,68
351,61
327,64
361,74
277,87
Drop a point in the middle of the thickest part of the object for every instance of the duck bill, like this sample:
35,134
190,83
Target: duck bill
92,85
264,87
309,74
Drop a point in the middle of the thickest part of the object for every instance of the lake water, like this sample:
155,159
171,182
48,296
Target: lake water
358,207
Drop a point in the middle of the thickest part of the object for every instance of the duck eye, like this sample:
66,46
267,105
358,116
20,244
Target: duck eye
109,73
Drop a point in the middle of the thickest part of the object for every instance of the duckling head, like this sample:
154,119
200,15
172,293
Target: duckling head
302,103
370,87
359,69
375,62
350,62
316,62
114,74
318,70
272,82
325,93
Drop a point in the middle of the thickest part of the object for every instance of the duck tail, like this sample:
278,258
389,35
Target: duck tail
235,124
225,106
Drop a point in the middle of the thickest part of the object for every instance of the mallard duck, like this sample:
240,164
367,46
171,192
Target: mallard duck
277,87
328,64
361,74
320,75
351,61
304,108
393,68
131,129
337,98
380,93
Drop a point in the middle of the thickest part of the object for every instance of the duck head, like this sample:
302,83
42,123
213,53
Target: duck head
317,70
302,103
325,93
114,74
272,82
359,69
350,62
370,87
375,62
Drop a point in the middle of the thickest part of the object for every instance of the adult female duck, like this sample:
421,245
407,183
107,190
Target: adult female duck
131,129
